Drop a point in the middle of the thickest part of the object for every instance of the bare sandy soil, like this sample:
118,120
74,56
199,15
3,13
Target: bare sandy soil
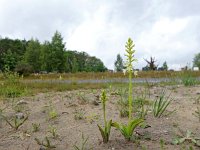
79,112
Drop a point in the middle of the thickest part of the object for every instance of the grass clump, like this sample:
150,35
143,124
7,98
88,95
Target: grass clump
83,144
16,122
35,127
53,131
188,137
188,80
52,113
82,98
79,114
46,143
11,86
197,113
160,105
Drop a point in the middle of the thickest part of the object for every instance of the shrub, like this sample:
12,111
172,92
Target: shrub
24,69
188,80
11,87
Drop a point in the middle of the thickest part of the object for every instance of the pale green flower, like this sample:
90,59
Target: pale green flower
60,78
135,73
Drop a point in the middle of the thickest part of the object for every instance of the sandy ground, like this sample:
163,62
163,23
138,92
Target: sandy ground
78,113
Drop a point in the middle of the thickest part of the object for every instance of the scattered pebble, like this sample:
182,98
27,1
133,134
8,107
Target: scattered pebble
96,103
19,115
21,102
42,148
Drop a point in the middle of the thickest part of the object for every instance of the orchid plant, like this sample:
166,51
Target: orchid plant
127,129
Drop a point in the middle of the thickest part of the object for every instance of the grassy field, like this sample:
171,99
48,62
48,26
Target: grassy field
110,75
14,85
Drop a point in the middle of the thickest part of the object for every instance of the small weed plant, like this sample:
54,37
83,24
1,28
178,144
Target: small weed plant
123,102
188,80
53,131
11,77
197,101
189,137
18,107
11,87
127,129
162,143
83,144
1,115
142,113
197,113
46,143
140,105
160,105
82,98
16,122
79,114
92,117
105,132
52,113
35,127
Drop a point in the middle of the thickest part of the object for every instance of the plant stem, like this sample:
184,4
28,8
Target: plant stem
103,99
130,98
104,113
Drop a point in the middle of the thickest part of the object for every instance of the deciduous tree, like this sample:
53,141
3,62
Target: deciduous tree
151,63
165,67
57,53
196,60
119,64
32,55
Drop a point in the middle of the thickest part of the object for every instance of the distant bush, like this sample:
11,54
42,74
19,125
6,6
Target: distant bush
24,69
189,80
11,86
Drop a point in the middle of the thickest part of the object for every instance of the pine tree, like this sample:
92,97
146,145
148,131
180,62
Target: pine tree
165,67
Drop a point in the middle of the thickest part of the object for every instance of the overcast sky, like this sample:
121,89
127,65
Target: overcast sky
168,30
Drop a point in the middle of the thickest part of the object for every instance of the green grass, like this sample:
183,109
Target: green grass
160,105
20,87
30,88
189,80
109,75
24,89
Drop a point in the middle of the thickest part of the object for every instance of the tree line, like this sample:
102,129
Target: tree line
151,64
119,65
49,56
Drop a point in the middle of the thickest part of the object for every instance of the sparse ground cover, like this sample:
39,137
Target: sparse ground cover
63,117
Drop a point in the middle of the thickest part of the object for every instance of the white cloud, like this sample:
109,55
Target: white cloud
167,30
168,40
170,27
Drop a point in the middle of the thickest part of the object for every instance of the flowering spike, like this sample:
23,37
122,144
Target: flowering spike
129,68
